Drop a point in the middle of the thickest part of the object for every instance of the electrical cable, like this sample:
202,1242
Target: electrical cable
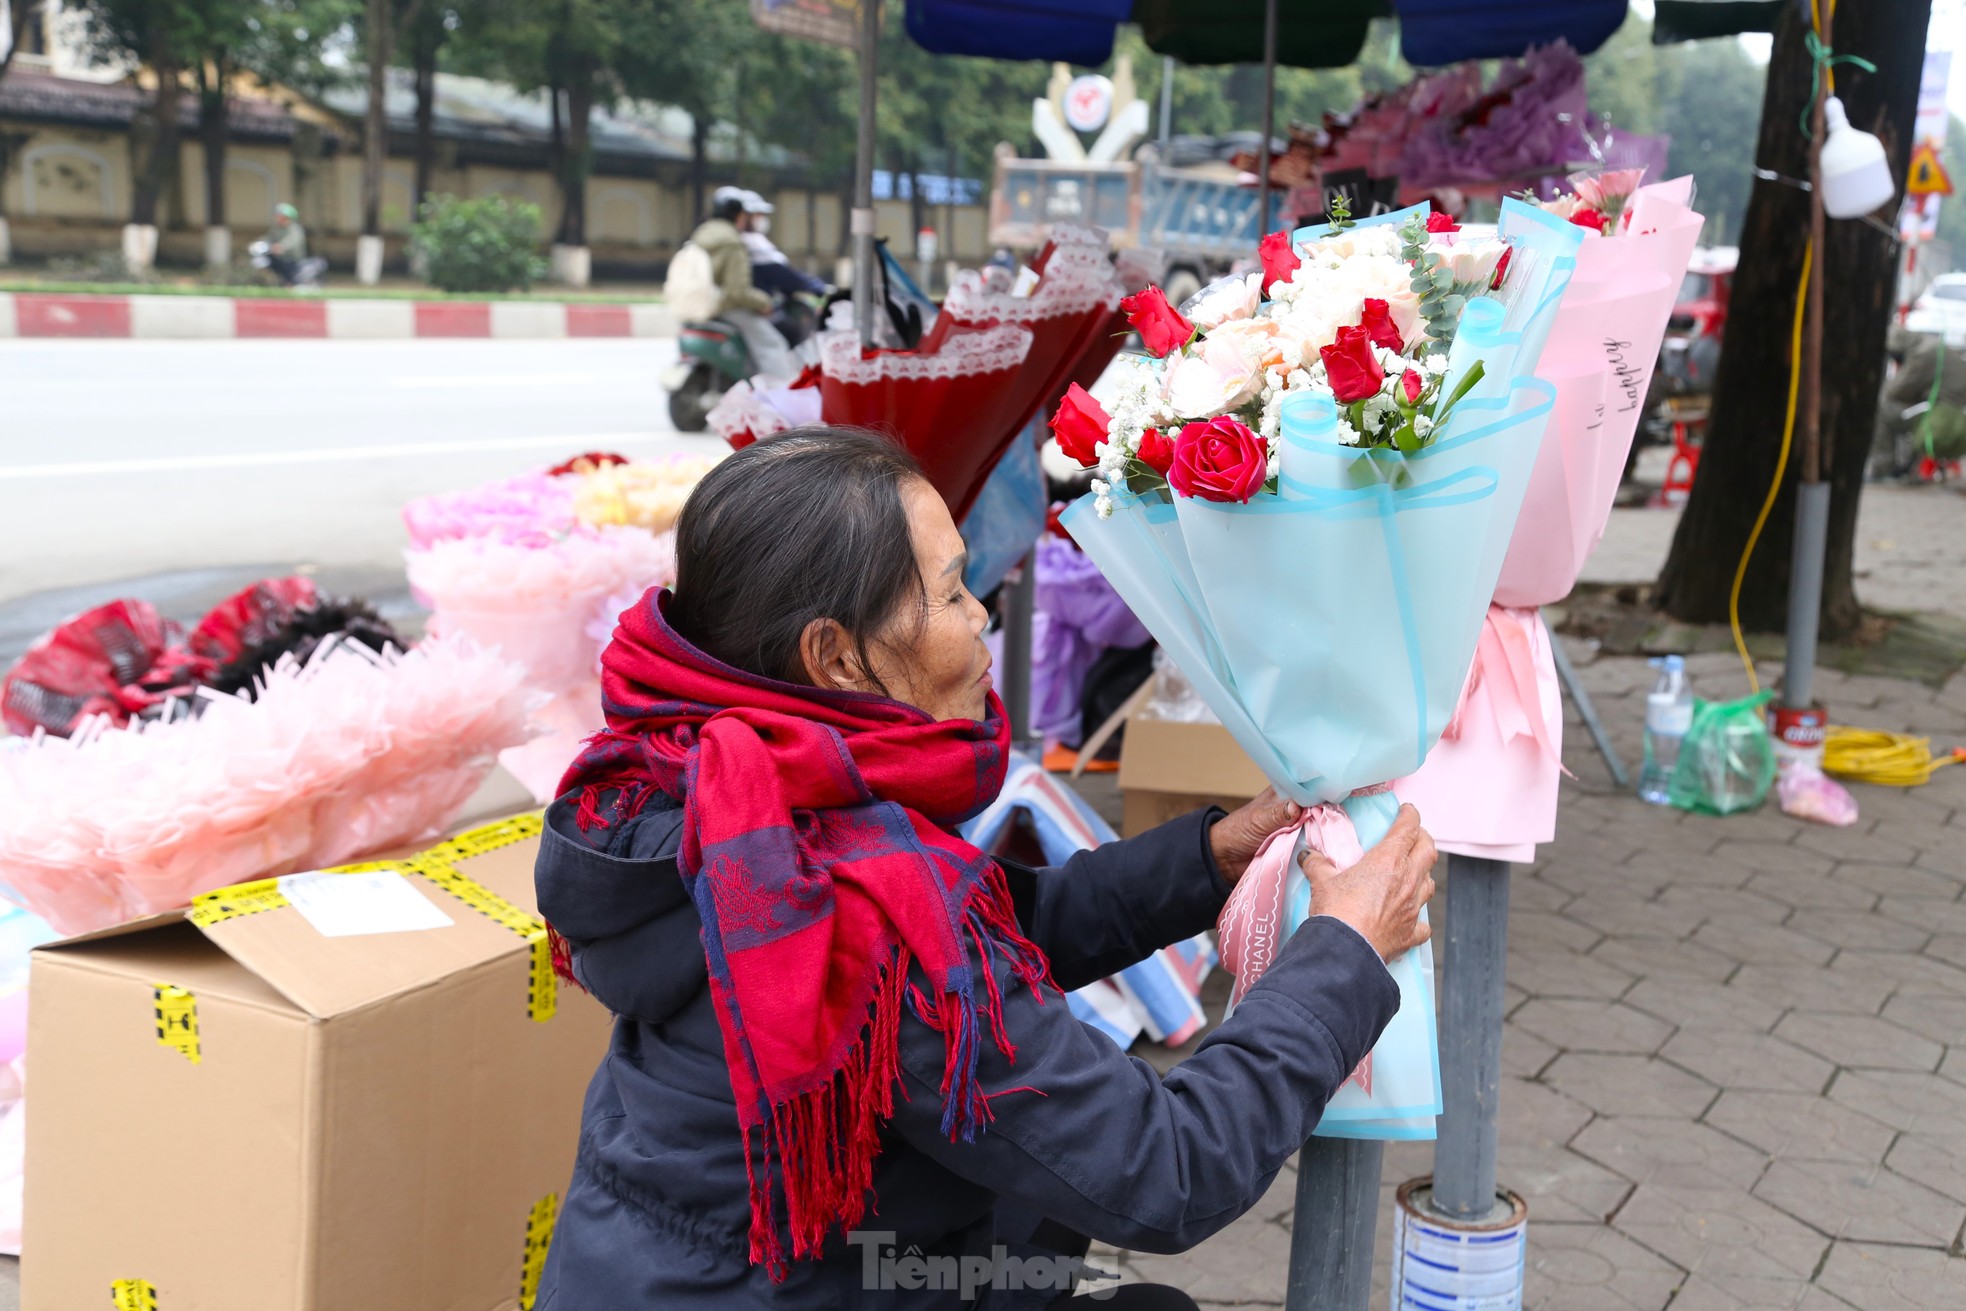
1871,755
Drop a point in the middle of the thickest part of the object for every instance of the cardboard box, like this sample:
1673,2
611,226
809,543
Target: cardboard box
234,1112
1169,767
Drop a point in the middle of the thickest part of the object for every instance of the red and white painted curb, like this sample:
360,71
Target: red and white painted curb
65,314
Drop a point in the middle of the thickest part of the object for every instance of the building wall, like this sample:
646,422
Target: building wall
68,174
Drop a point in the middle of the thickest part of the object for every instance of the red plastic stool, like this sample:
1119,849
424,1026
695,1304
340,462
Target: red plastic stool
1685,460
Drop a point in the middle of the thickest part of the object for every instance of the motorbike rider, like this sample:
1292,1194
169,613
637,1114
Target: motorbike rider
741,303
286,244
770,270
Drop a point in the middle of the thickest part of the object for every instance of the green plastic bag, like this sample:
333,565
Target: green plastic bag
1726,760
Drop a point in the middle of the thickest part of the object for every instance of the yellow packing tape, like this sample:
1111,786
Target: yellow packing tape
133,1295
177,1021
539,1237
542,989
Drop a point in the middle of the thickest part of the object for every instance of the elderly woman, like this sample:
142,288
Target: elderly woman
842,1073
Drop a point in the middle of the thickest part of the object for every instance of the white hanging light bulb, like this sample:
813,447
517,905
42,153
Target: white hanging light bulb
1856,177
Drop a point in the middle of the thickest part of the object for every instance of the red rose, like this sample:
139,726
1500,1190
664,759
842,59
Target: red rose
1377,320
1588,218
1220,460
1159,324
1080,425
1350,366
1413,384
1279,259
1156,452
1501,269
1440,220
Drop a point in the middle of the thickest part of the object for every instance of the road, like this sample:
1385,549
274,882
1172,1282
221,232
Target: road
177,470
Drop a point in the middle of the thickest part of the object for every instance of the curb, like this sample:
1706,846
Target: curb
63,314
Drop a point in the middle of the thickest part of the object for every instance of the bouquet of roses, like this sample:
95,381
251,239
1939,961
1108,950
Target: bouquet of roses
1306,498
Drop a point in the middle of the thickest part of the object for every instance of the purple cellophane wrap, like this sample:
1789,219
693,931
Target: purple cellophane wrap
1538,129
1078,616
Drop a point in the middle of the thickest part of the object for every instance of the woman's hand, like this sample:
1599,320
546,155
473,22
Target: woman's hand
1236,836
1383,894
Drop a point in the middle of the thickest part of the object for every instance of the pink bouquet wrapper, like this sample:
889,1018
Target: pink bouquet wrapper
531,504
349,754
1489,786
1600,356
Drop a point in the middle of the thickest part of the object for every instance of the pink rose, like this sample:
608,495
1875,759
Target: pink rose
1159,324
1080,425
1221,460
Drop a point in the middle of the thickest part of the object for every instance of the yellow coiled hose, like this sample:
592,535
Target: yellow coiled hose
1871,755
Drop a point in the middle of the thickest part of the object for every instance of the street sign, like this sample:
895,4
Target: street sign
834,22
1088,102
1927,176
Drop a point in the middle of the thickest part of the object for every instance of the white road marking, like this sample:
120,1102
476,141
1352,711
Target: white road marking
475,380
570,443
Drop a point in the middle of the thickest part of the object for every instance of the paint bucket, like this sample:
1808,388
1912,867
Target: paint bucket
1799,735
1452,1265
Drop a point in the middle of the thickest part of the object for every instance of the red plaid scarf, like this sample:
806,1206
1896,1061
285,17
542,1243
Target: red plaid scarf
817,849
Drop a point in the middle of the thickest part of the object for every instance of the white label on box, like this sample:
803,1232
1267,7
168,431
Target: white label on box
347,905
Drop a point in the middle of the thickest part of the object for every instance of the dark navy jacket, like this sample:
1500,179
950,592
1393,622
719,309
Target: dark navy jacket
657,1215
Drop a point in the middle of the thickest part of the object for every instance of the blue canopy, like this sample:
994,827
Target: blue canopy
1432,32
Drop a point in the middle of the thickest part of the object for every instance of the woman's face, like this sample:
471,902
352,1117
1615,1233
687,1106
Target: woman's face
935,659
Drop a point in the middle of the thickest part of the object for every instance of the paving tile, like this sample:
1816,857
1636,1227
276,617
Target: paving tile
1697,1004
1948,947
1727,906
1865,1203
1528,892
1879,1278
1538,1114
1936,1160
1948,858
1629,1085
1939,1016
1670,958
1928,972
1934,914
1860,1041
1954,1065
1862,930
1913,1103
1565,974
1676,1153
1684,868
1720,1232
1576,1267
1248,1261
1848,844
1854,991
1524,1055
1541,930
1815,890
1763,944
1774,857
1740,1059
1578,1025
1801,1126
1619,910
1714,1293
1895,880
1561,1186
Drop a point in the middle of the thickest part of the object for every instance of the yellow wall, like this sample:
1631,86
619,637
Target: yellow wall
70,173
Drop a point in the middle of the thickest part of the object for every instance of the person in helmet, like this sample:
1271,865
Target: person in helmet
739,301
770,270
286,244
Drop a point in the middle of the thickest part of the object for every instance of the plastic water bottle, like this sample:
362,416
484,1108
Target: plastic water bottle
1668,714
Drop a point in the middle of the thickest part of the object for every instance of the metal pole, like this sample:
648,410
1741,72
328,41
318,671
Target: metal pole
1812,496
1332,1235
1166,104
1471,1003
1567,675
1269,115
1020,593
863,174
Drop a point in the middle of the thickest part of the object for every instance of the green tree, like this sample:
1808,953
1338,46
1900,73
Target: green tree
1712,115
157,34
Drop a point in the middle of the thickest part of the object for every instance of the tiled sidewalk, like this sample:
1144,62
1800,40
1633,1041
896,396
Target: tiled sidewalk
1736,1048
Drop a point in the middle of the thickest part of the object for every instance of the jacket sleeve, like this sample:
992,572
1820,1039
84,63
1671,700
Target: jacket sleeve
1096,1140
1113,906
734,281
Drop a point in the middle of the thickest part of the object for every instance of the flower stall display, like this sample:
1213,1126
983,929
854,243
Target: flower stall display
348,753
1306,497
534,504
646,494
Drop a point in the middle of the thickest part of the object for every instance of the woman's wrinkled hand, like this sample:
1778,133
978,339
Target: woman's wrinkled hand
1236,836
1383,894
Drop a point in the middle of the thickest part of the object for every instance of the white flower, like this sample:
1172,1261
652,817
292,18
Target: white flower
1100,487
1104,506
1347,435
1422,425
1225,300
1214,379
1473,263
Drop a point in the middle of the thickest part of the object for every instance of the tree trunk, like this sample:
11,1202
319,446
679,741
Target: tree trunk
425,57
699,164
160,160
375,127
1744,432
574,161
846,218
214,130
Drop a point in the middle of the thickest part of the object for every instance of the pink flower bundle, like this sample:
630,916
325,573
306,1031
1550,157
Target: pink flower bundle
348,754
531,506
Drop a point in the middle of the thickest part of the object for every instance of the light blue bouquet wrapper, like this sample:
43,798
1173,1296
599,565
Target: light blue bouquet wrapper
1330,627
